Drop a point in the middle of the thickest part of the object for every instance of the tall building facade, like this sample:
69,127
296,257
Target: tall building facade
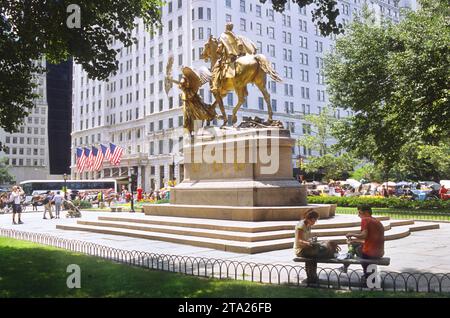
59,99
41,148
27,150
132,109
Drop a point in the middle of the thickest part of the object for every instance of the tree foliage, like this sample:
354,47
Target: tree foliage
396,78
331,167
32,30
319,138
330,163
5,176
368,172
324,14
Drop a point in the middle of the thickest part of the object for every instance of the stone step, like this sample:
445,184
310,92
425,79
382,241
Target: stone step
395,233
424,226
196,232
344,230
227,233
218,244
232,245
242,226
388,226
210,224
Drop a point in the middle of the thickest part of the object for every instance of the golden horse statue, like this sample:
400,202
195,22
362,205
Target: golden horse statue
249,69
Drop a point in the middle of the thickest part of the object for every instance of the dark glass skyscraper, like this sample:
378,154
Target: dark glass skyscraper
59,97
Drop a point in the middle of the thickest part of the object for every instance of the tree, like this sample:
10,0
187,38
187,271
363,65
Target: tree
416,162
368,172
420,161
331,167
324,15
32,30
318,138
5,177
396,78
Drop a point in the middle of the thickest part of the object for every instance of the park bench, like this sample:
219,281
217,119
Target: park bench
118,209
312,277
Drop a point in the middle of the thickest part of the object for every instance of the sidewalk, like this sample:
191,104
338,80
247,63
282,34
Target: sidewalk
427,251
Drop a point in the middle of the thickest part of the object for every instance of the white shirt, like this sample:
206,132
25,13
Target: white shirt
15,197
58,198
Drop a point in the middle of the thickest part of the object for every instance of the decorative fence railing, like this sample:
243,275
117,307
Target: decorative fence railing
238,270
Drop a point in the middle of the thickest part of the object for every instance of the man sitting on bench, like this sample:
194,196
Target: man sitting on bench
369,244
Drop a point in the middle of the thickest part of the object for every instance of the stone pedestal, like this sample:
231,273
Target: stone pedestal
238,174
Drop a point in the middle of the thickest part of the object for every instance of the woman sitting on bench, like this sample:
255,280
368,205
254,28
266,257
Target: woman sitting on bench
308,247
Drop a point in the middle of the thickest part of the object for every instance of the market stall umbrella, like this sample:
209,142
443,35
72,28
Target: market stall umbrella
433,185
354,183
403,183
389,184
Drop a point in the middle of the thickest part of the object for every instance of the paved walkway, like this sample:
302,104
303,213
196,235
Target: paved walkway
427,251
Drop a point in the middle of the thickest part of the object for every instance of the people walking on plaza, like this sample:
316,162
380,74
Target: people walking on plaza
58,200
15,199
35,201
3,203
47,202
100,197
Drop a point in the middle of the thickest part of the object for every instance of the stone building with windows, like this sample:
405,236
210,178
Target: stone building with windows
27,150
133,111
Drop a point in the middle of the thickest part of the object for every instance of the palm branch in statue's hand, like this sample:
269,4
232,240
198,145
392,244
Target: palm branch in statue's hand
168,83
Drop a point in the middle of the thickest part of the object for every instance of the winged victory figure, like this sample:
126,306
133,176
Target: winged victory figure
194,108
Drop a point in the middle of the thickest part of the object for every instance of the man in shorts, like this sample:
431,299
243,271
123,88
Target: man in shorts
15,199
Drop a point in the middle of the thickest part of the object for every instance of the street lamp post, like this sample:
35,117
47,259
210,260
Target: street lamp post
300,161
65,186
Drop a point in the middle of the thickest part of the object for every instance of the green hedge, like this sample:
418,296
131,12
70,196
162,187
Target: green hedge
378,202
82,204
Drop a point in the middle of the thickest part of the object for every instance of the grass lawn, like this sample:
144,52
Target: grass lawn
425,215
32,270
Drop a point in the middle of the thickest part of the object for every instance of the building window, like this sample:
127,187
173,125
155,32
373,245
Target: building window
242,6
261,103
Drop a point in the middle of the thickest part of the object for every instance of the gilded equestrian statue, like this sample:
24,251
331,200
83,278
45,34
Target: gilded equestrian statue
234,65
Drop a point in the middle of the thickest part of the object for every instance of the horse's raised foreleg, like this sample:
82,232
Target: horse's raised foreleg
219,101
242,94
261,83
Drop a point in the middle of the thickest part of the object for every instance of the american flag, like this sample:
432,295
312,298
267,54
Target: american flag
98,159
81,160
116,154
106,152
88,155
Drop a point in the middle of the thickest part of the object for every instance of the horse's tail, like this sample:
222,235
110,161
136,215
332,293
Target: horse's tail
267,68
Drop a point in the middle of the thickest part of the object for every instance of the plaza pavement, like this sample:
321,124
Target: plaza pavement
425,251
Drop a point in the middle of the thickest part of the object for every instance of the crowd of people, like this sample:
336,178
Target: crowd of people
420,191
14,201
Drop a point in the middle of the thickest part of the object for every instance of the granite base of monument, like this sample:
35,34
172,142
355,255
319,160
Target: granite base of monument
240,175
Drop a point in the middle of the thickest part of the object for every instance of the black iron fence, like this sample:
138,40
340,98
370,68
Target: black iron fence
280,274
